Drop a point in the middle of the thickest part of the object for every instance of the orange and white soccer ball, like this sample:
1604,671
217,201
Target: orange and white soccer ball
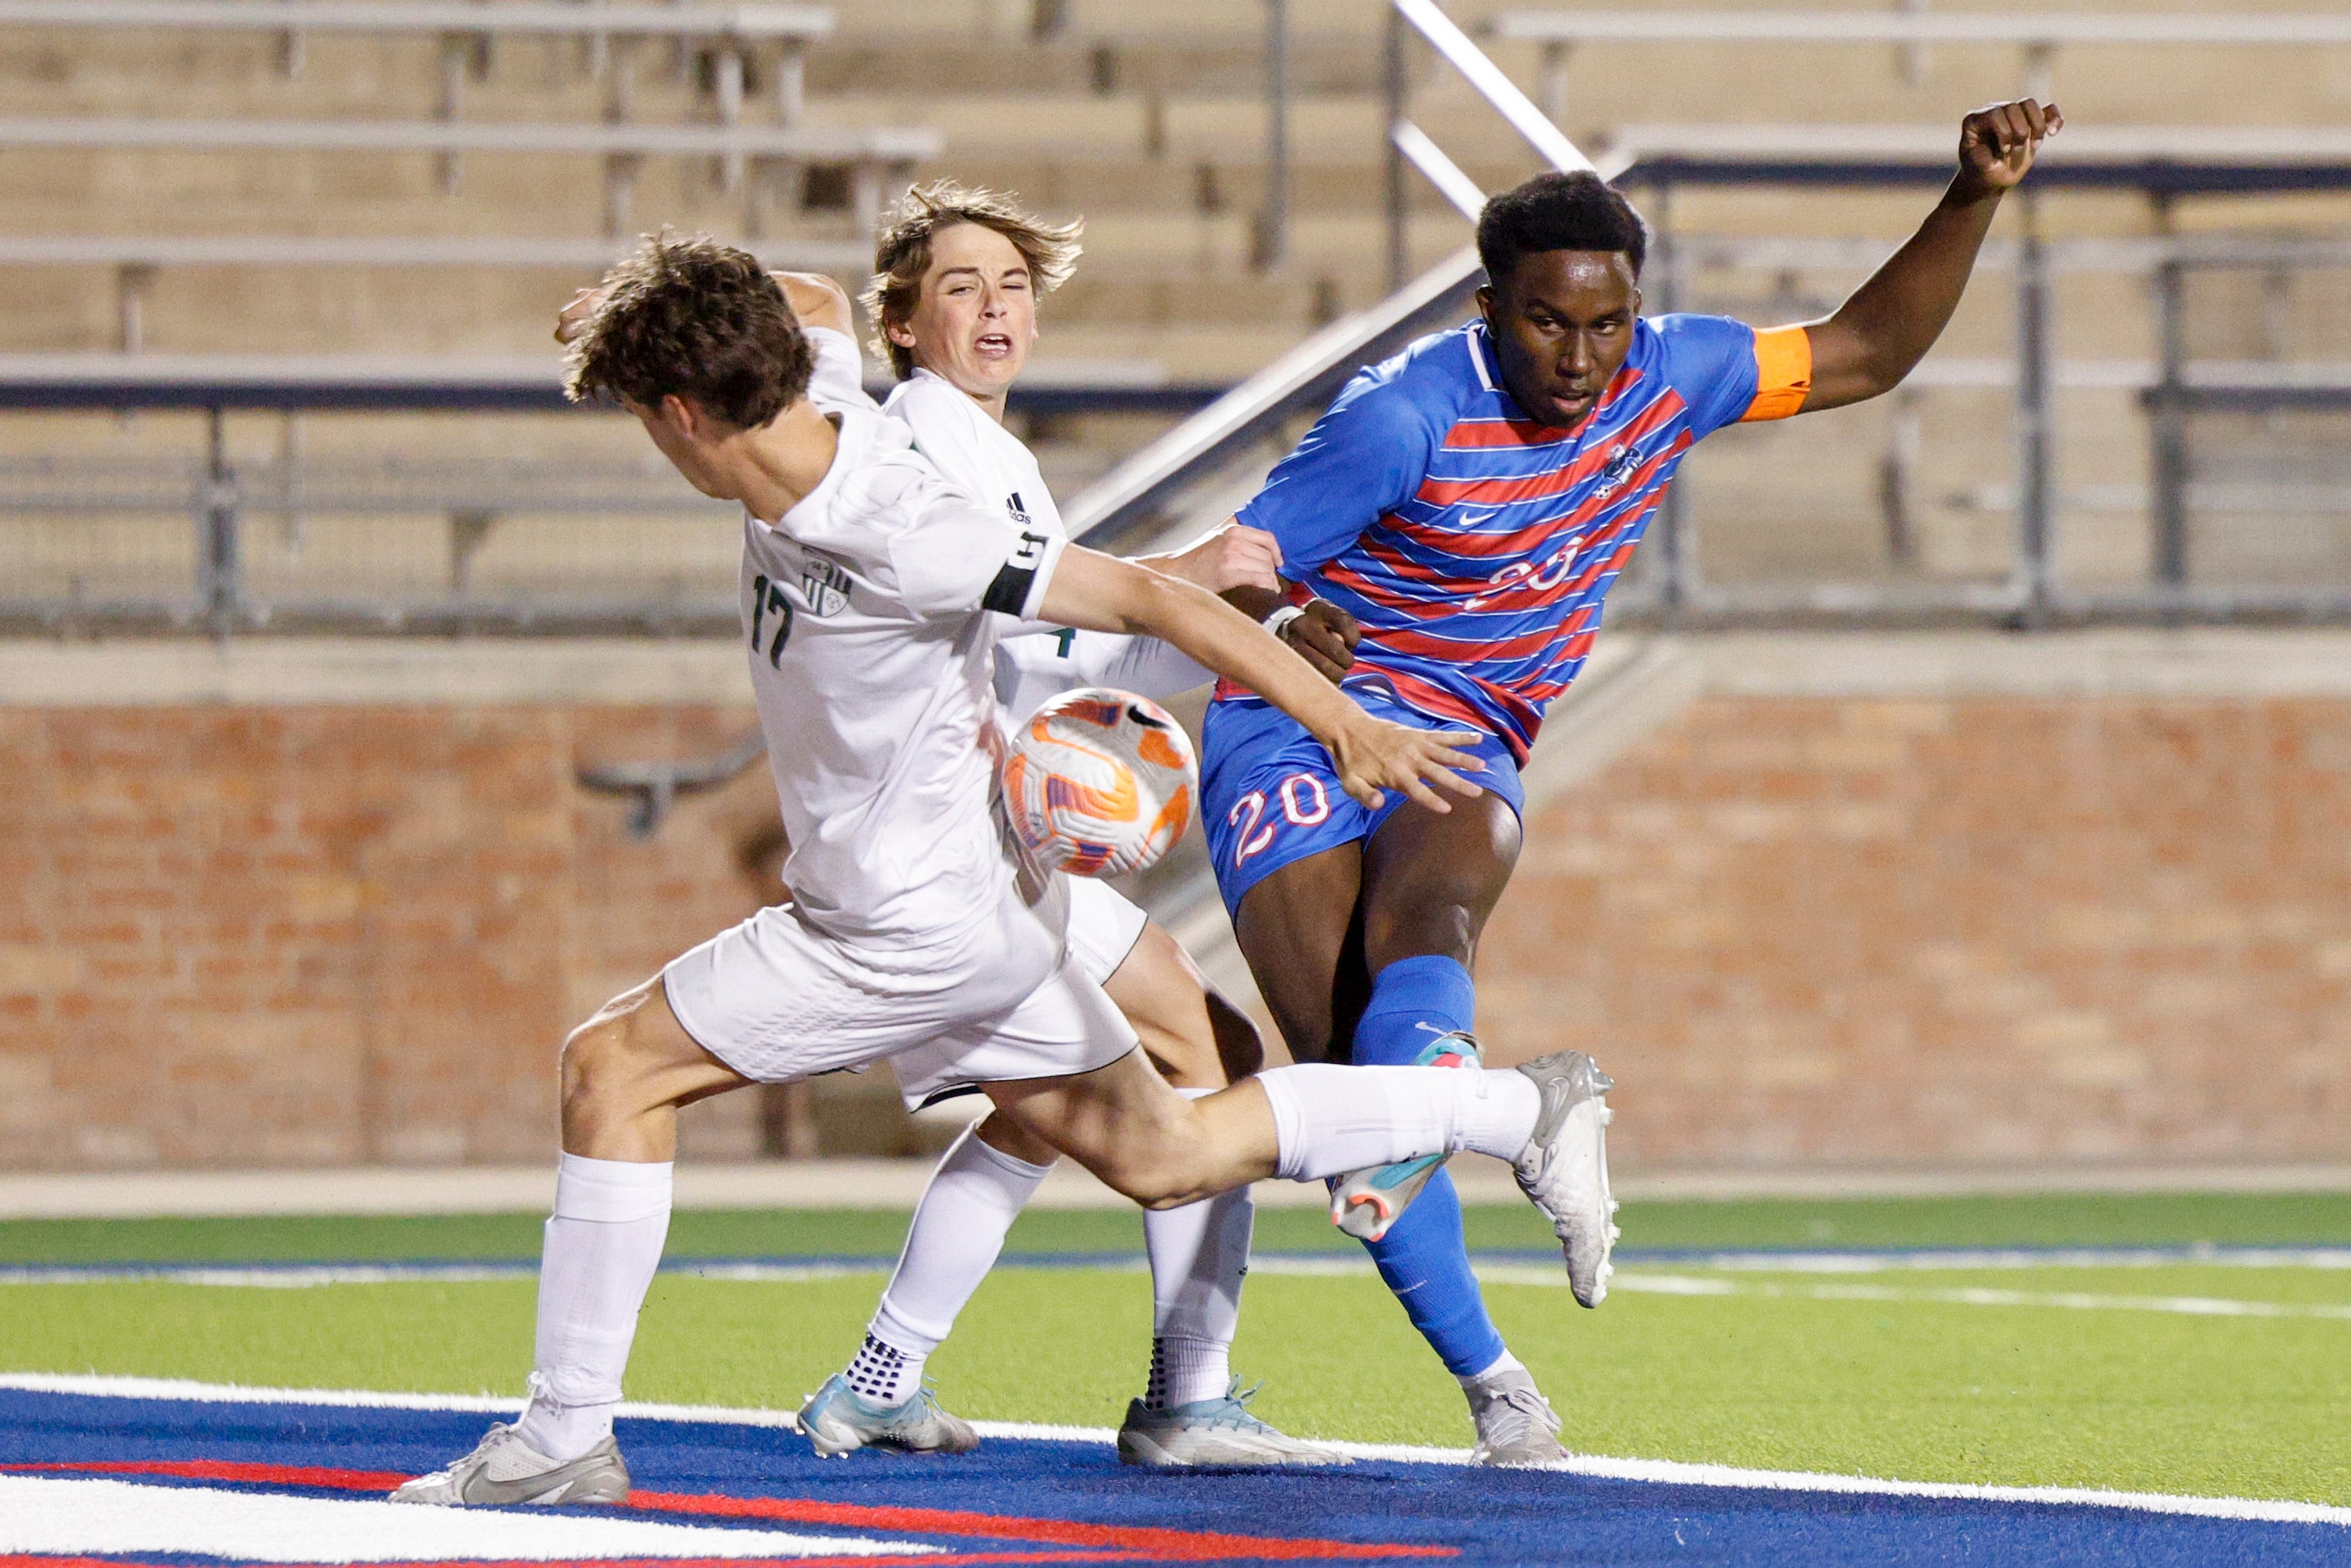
1100,783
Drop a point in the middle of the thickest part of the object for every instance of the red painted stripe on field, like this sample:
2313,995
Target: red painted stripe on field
924,1559
1164,1545
1148,1543
230,1470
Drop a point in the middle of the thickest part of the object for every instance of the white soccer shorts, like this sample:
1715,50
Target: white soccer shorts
1104,926
779,1000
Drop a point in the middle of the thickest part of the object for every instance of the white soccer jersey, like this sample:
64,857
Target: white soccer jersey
1033,664
838,381
872,662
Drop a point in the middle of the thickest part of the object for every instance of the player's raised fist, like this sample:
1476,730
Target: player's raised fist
1997,145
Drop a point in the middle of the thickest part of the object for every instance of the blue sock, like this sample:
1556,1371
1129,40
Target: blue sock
1425,1257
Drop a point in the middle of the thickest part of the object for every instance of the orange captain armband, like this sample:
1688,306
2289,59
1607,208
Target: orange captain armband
1783,372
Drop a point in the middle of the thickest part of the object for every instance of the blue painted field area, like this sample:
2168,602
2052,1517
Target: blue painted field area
88,1477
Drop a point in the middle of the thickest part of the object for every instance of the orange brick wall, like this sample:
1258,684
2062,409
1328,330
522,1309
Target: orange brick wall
1885,932
307,934
1800,930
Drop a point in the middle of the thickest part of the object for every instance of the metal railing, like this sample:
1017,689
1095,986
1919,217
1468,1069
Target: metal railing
153,541
1913,31
1171,485
729,40
465,31
768,154
1132,504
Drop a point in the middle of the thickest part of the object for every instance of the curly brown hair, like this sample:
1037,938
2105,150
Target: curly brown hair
687,316
902,252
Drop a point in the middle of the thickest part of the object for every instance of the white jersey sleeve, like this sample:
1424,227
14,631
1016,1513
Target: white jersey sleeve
959,558
1143,665
839,379
1034,667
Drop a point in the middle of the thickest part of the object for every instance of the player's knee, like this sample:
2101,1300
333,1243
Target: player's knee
1155,1189
599,1056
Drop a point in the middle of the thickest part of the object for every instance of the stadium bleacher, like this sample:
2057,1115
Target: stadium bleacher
301,194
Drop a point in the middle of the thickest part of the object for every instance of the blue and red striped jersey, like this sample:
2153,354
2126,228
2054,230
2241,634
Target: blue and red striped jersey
1475,546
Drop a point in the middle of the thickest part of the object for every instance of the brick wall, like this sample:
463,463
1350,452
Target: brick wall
302,935
1863,928
1951,931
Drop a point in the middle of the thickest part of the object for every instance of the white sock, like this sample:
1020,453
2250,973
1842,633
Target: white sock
1503,1362
1199,1254
958,1229
602,1245
882,1374
1187,1371
1328,1120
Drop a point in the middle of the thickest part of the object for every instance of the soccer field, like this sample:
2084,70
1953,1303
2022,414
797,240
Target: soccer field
2183,1344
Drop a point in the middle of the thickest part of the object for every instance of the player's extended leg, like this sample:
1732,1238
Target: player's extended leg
625,1074
1316,1120
1199,1255
1431,882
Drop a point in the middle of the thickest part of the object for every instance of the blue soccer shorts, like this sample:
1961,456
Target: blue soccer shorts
1270,796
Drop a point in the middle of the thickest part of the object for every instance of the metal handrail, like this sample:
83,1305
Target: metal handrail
693,21
1110,510
884,143
549,253
1129,501
1915,27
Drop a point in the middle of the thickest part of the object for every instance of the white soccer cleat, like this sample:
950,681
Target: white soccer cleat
504,1470
837,1423
1212,1434
1517,1428
1564,1169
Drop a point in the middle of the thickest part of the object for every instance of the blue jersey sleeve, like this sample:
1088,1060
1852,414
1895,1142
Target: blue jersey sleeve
1710,362
1363,458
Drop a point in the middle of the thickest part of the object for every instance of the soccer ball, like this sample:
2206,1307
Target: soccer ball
1099,783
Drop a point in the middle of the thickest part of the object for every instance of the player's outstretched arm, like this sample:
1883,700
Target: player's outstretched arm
1879,334
1102,594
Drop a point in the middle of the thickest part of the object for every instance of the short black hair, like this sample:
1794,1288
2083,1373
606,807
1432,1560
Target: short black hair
1558,212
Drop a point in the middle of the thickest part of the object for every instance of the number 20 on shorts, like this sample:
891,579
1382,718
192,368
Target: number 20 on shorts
1303,804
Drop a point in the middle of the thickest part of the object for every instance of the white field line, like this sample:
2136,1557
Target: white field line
1542,1275
1666,1472
304,1275
62,1514
1929,1259
2079,1301
309,1276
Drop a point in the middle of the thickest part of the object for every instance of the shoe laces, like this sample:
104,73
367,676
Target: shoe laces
1530,1406
1234,1409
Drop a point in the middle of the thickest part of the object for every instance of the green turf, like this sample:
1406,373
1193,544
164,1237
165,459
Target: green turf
2137,1219
1779,1372
1911,1388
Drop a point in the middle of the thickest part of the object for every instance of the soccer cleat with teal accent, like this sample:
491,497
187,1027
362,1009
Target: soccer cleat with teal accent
837,1422
1364,1203
1218,1434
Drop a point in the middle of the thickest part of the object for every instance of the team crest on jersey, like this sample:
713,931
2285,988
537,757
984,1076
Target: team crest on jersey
1619,468
825,586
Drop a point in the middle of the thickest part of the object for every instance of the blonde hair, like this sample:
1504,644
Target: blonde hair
902,253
